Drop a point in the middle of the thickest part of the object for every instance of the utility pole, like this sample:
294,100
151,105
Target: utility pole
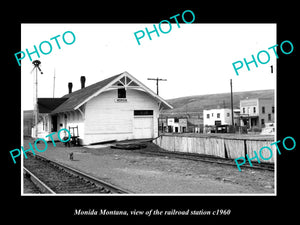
54,83
231,102
157,79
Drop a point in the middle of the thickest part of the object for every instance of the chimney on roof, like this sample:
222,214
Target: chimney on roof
70,85
82,80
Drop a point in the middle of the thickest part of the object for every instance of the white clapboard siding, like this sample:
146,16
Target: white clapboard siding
107,119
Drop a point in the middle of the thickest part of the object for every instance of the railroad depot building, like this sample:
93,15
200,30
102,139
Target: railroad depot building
117,108
257,112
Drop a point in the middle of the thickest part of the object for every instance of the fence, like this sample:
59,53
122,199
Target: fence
224,147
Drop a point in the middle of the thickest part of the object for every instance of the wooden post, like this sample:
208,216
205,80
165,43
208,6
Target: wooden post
232,119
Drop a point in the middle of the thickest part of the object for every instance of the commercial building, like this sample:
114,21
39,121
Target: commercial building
217,117
257,112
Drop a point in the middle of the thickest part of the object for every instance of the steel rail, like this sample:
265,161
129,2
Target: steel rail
114,189
37,182
202,158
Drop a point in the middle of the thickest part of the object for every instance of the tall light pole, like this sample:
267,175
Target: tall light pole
36,64
157,80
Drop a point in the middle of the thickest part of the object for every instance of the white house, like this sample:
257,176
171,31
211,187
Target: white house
117,108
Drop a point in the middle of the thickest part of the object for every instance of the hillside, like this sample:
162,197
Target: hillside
199,102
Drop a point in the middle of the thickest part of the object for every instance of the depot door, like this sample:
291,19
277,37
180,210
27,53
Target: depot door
143,127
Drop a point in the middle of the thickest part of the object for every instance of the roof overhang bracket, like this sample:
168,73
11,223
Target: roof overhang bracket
82,113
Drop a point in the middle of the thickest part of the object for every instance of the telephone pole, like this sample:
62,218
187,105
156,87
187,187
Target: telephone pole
157,80
54,83
231,95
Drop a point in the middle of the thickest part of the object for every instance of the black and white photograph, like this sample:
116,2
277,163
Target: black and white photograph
168,116
172,116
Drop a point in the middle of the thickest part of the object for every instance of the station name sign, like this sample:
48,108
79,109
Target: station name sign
120,100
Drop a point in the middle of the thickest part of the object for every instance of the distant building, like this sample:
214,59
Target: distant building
219,120
181,122
214,117
177,125
257,112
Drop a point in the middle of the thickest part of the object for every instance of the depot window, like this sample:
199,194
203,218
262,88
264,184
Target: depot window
143,112
121,91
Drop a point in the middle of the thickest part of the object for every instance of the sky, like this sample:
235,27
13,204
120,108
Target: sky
195,59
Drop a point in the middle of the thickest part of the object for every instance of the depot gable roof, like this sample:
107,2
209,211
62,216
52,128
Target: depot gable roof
80,97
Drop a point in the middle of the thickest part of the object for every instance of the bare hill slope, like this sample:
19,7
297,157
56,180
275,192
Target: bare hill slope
199,102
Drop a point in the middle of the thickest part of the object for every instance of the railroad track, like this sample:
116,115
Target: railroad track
207,158
54,178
